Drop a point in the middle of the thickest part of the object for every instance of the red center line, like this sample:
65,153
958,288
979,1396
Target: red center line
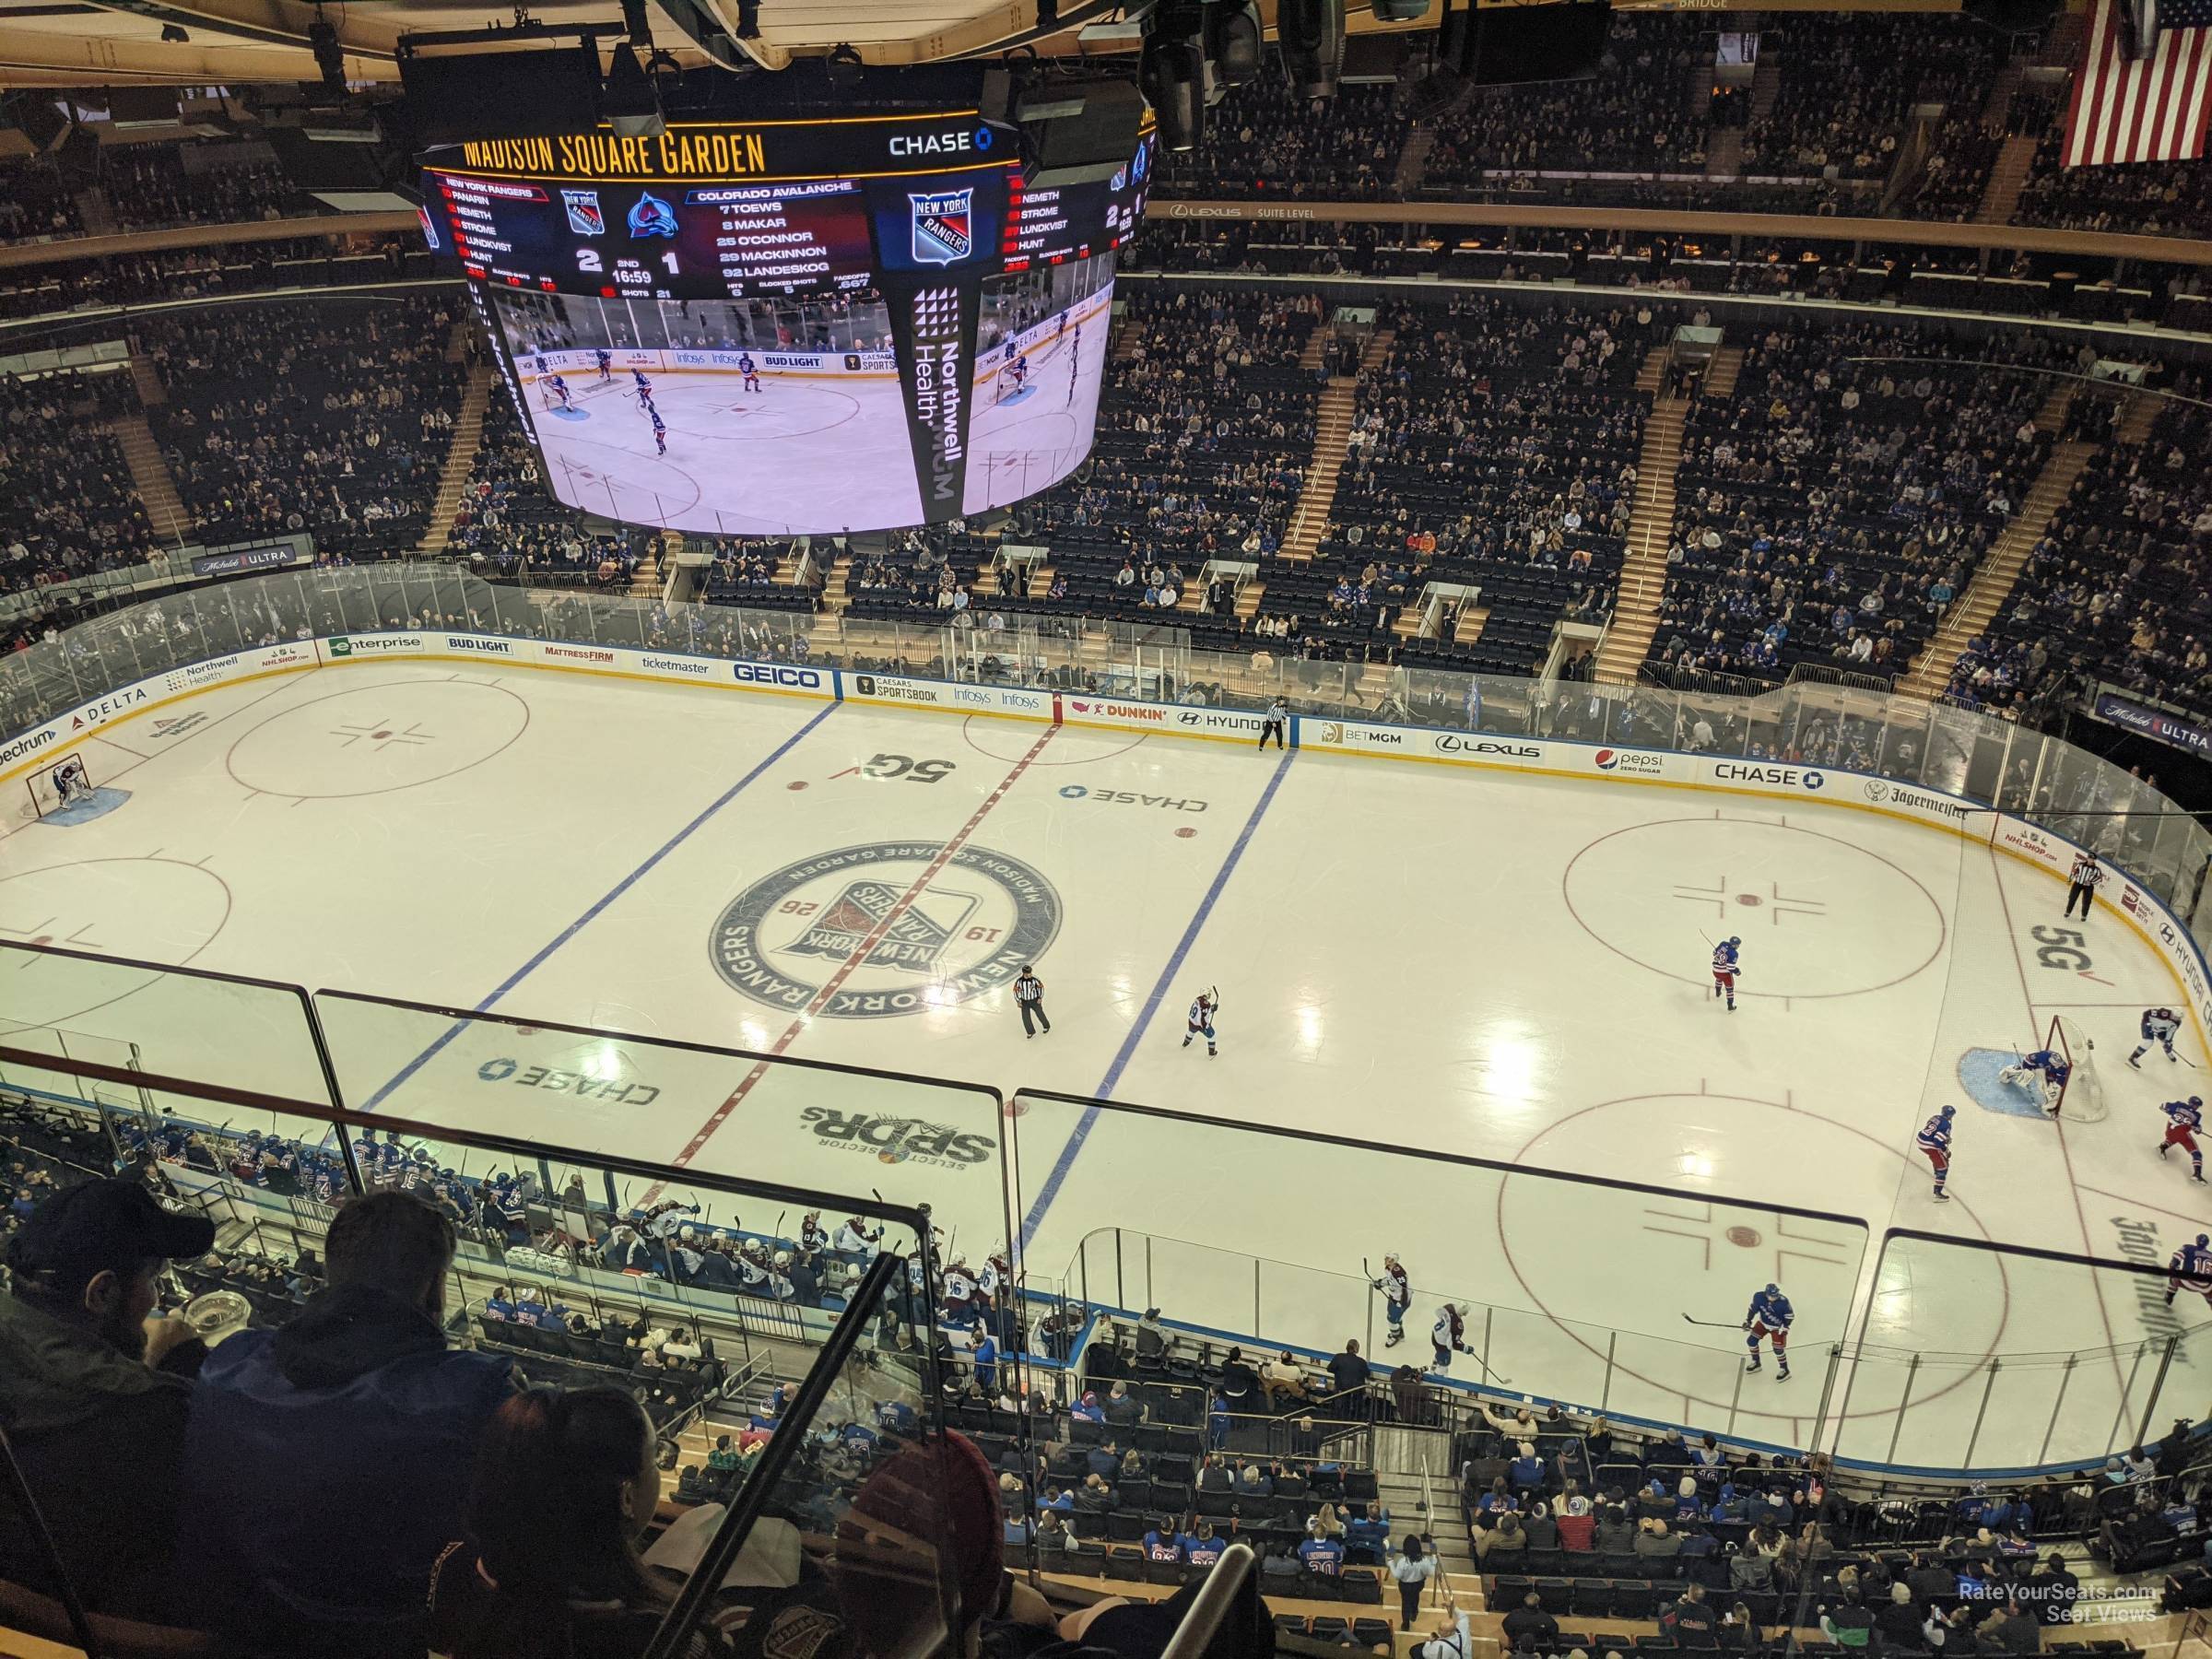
859,955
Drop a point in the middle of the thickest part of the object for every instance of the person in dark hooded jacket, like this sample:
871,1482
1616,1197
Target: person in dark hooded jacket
329,1460
92,1396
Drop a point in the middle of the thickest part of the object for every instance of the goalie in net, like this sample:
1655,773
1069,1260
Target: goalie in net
65,783
2062,1076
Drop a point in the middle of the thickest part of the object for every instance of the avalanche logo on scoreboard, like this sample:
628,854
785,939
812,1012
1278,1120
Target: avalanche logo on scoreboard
942,231
584,217
651,217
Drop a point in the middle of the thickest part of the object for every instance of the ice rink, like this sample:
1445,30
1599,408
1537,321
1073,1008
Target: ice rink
1409,956
805,453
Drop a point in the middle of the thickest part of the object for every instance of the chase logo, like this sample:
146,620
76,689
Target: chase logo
651,217
883,929
777,674
584,217
944,226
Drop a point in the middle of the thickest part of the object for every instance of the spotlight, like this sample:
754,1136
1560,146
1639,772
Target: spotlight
845,67
1173,74
330,56
1233,34
1312,33
175,36
628,99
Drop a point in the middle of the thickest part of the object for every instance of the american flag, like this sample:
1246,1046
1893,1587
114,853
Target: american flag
2142,109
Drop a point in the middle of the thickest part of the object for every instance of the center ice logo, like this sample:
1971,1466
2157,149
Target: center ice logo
943,230
886,928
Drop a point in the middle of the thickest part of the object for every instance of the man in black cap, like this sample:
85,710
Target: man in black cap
93,1393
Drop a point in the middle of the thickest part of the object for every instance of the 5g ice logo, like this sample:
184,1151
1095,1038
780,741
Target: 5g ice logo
651,217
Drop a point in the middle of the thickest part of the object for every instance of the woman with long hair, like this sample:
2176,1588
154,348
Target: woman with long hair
566,1483
1413,1567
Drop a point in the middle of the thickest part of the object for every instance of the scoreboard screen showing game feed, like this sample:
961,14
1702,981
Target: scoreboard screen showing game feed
790,327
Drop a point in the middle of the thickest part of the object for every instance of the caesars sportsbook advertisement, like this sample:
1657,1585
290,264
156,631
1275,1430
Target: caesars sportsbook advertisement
790,327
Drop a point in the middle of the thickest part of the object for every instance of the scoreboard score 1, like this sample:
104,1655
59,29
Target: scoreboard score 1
773,208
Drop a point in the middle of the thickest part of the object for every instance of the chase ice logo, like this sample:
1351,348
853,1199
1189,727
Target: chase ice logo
586,218
944,231
651,217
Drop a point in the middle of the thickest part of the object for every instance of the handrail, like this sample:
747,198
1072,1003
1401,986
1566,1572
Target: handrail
1230,1580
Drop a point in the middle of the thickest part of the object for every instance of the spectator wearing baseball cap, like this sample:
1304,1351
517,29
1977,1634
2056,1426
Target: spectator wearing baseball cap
94,1393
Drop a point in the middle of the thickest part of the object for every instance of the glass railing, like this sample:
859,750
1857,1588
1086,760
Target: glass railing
834,1406
1541,1263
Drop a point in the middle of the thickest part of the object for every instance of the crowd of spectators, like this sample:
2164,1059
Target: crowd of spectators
330,416
1955,174
68,506
1849,82
1263,140
148,186
1635,115
1837,505
36,203
2152,198
2118,586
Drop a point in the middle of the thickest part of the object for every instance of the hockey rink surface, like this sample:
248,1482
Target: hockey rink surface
1409,956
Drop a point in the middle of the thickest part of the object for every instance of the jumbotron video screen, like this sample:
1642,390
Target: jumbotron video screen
790,327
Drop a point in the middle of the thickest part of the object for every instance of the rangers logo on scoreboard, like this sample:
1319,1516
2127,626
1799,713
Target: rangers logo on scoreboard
584,217
942,231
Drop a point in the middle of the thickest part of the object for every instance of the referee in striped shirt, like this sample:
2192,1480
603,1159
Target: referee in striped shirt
2082,883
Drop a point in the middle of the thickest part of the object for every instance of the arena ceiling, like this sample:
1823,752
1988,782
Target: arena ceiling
234,43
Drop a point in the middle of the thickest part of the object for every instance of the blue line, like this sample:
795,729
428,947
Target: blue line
1051,1189
589,916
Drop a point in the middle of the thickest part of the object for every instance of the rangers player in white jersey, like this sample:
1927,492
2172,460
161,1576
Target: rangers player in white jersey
1202,1021
2158,1027
1397,1296
2191,1269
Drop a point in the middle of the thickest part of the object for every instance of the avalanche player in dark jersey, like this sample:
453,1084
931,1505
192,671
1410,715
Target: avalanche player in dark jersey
751,374
2191,1269
2184,1118
2158,1027
1770,1318
1726,968
1935,1141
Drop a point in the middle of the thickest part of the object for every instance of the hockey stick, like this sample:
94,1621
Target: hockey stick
1366,1272
1716,1325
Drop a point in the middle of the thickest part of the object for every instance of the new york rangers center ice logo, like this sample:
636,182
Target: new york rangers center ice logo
585,215
883,929
944,232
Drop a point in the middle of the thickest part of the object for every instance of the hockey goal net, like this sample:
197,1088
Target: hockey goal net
2081,1100
58,785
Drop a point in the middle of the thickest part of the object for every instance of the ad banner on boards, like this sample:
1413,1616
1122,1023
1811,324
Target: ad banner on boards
899,690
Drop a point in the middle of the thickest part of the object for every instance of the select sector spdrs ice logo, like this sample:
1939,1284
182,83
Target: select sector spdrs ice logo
892,929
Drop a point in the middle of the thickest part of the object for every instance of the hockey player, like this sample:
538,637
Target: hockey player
2184,1118
2158,1027
1449,1334
606,364
746,368
1397,1296
855,1239
557,389
1201,1021
2043,1073
644,386
2191,1269
813,1237
1074,363
1726,968
1770,1319
1935,1141
660,432
1018,372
